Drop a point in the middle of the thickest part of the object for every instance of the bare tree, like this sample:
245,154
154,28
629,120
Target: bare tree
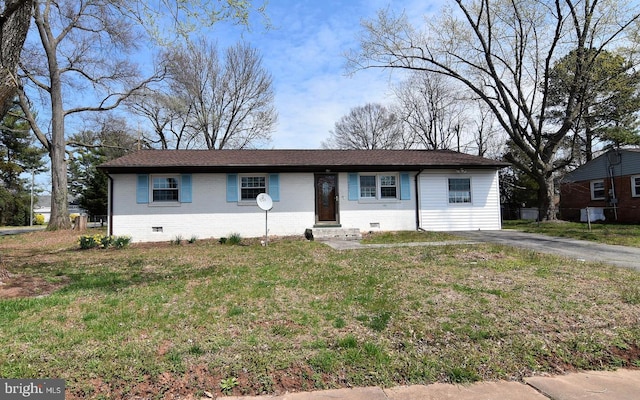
367,127
502,52
82,50
169,117
431,109
487,140
81,63
15,18
230,100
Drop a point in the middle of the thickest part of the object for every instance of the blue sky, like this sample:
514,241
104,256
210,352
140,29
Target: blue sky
304,52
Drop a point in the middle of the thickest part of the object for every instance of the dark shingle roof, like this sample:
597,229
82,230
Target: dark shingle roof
292,160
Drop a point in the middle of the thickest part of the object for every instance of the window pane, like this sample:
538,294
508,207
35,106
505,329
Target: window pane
165,195
253,181
387,186
165,189
387,180
250,194
368,186
597,190
388,192
165,183
636,186
460,184
460,190
252,186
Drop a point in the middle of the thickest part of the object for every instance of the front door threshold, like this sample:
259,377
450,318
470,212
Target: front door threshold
327,225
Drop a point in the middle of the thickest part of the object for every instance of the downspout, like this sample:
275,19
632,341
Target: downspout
110,207
418,228
612,193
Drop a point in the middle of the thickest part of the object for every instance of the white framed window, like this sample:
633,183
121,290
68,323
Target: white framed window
368,186
383,186
459,190
597,189
251,186
388,186
635,186
165,189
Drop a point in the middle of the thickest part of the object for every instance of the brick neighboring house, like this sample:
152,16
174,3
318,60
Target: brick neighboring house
609,185
157,195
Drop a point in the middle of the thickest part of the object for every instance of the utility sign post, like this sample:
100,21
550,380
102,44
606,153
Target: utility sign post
265,203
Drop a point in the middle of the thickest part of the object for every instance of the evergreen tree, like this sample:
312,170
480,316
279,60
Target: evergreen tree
90,149
608,103
18,155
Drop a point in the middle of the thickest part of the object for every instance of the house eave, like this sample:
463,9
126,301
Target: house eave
286,168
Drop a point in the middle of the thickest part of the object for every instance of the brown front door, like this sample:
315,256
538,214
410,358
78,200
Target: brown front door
326,195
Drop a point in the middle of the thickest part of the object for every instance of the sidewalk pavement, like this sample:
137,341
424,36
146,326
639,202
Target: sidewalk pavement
593,385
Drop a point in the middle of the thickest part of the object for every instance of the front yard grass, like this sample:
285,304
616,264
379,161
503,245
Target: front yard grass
407,237
163,320
621,234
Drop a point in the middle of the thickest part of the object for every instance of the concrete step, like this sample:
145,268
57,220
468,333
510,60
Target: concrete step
321,233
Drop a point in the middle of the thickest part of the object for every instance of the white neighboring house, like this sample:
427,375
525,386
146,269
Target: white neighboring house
158,195
43,206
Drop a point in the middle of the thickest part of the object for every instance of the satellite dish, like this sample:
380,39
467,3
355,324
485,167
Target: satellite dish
264,201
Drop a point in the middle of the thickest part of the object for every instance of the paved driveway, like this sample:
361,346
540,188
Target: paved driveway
622,256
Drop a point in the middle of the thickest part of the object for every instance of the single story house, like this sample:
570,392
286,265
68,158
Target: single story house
608,185
158,195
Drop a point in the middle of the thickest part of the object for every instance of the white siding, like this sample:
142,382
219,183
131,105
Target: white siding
436,214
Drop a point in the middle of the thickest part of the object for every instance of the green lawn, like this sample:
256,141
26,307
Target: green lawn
159,320
626,235
407,237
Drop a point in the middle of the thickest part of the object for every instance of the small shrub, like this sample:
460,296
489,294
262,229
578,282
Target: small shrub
105,241
101,241
38,219
88,241
177,240
192,239
73,217
227,385
222,240
120,242
234,238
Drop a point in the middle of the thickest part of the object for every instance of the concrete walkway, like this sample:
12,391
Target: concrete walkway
595,385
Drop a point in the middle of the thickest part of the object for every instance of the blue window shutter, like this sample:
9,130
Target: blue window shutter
405,187
274,187
352,185
232,187
142,189
185,188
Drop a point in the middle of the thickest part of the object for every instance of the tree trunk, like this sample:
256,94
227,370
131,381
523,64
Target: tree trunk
14,25
57,147
546,198
59,202
588,151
